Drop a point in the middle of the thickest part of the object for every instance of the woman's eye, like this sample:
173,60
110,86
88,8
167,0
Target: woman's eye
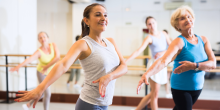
106,15
97,15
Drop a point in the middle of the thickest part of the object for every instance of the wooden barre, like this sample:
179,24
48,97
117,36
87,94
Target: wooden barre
139,57
17,55
129,68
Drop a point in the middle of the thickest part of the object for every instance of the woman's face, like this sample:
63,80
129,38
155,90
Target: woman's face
43,38
98,20
185,21
151,24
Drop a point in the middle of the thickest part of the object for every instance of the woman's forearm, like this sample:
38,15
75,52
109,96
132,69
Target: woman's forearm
207,65
119,71
53,75
53,61
132,56
27,61
157,66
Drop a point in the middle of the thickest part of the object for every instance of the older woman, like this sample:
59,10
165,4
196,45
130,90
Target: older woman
48,54
192,55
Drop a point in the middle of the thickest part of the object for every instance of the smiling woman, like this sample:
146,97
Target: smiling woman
90,14
192,55
100,59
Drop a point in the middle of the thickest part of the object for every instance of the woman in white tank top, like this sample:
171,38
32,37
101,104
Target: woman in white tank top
100,59
158,43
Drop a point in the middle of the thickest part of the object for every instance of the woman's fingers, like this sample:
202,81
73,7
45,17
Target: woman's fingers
35,102
178,70
22,99
20,95
23,92
139,86
103,88
96,81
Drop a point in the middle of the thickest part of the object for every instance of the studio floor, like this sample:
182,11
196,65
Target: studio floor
126,86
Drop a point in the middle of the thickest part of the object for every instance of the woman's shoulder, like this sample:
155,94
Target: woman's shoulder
179,41
111,40
204,39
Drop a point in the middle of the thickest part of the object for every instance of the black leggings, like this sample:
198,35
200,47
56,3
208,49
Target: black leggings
184,100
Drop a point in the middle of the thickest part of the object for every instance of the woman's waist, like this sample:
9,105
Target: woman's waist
41,65
89,83
190,75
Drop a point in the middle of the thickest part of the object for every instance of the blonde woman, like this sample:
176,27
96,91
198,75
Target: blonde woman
192,55
48,54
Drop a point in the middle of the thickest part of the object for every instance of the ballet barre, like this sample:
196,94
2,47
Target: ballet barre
77,66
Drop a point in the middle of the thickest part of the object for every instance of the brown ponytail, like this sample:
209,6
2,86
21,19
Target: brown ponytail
85,27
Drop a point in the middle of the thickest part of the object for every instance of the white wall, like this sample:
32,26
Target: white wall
207,20
126,26
18,25
55,18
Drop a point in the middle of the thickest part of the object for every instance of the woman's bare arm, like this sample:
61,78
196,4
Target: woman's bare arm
211,63
60,68
33,57
145,43
162,62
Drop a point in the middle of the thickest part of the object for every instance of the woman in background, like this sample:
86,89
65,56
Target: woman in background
48,54
158,42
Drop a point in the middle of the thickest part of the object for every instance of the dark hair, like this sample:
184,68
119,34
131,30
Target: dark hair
44,33
149,17
85,27
165,31
77,37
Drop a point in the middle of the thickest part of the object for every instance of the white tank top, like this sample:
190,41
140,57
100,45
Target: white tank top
101,61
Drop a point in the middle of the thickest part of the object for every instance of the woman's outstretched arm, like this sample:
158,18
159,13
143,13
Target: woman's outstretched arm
33,57
171,53
60,68
145,43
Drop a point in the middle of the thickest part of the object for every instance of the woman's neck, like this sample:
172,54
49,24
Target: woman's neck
188,33
154,32
45,46
96,36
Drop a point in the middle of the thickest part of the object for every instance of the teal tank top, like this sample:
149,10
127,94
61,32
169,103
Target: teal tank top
189,80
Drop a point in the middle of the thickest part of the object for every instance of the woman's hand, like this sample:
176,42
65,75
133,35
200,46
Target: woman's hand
35,95
186,66
159,54
144,79
103,83
14,69
44,69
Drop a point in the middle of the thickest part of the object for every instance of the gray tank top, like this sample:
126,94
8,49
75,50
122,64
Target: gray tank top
158,44
101,61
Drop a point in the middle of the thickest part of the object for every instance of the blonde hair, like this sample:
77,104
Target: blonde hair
179,12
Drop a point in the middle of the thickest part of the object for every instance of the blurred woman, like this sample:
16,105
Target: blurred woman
158,42
48,54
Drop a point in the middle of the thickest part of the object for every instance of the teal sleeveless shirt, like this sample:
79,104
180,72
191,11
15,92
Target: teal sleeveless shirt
189,80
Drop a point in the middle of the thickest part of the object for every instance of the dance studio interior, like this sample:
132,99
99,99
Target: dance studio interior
109,54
